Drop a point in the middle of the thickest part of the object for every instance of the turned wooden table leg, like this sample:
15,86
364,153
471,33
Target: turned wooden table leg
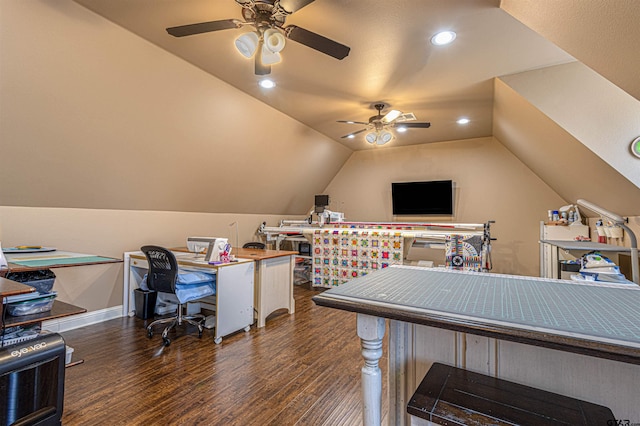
371,332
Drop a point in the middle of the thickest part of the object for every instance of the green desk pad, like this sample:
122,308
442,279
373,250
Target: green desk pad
43,263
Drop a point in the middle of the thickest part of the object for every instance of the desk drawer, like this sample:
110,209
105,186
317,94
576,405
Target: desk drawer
139,263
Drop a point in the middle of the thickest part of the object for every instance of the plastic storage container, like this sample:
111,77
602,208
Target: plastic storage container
31,306
68,355
42,279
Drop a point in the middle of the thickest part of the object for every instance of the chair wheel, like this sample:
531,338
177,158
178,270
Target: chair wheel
199,334
217,340
149,334
166,341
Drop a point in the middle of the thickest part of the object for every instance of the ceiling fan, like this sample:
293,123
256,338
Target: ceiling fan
378,124
268,18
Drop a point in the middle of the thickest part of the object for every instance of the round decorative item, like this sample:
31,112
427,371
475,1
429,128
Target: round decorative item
457,260
635,147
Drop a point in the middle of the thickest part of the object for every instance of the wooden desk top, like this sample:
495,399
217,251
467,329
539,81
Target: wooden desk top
589,319
11,288
259,254
249,253
59,310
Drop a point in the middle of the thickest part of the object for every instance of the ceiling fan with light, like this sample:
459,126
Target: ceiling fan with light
268,37
378,124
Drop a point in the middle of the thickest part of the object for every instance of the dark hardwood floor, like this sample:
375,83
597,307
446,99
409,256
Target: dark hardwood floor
301,369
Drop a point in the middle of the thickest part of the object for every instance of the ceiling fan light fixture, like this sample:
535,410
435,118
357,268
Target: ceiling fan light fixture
274,40
371,137
443,37
384,137
268,57
247,44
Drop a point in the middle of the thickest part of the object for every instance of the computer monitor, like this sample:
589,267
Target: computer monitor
321,201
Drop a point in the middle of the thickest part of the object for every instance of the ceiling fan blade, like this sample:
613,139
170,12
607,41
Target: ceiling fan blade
293,5
260,68
352,134
415,125
351,122
203,27
317,42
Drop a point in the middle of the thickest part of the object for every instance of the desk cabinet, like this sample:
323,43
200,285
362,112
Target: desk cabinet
274,280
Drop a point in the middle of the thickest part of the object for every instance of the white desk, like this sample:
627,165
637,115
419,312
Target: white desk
234,288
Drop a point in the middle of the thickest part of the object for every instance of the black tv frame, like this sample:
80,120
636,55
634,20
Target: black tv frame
423,198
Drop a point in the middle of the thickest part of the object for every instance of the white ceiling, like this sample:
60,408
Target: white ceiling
391,59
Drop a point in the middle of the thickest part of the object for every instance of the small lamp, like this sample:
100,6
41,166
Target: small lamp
247,44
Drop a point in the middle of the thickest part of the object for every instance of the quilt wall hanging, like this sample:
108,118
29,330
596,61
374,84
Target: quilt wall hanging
343,254
463,252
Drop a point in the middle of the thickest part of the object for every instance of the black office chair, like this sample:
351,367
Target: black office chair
255,245
162,277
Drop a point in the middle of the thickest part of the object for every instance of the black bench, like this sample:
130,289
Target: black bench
453,396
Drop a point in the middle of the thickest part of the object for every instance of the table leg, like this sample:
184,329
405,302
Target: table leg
371,332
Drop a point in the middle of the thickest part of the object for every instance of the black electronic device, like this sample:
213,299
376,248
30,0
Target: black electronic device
422,198
32,381
321,201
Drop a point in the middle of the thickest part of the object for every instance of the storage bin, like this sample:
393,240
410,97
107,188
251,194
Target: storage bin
42,279
31,306
68,355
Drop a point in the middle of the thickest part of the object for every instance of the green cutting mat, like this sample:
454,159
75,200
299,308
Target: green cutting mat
43,263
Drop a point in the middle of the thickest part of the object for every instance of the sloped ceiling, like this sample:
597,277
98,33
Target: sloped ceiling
557,157
602,34
391,59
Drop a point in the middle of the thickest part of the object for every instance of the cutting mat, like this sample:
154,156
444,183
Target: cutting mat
593,311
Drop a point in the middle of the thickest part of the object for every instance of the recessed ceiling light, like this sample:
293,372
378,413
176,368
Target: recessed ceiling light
266,83
463,120
401,129
443,37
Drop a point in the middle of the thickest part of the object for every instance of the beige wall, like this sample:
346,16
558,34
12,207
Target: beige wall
490,184
110,233
92,116
558,158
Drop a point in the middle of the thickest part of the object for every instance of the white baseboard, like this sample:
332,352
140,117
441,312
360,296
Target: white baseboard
81,320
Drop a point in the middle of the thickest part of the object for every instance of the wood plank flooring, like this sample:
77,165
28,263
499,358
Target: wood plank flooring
301,369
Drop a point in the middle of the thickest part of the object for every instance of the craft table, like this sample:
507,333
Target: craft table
234,288
273,281
485,313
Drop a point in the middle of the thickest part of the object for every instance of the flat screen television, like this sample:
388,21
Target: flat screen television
422,198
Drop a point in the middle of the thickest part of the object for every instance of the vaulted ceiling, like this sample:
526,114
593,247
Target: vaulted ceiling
391,59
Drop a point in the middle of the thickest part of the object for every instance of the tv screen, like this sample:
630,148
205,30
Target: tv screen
422,198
